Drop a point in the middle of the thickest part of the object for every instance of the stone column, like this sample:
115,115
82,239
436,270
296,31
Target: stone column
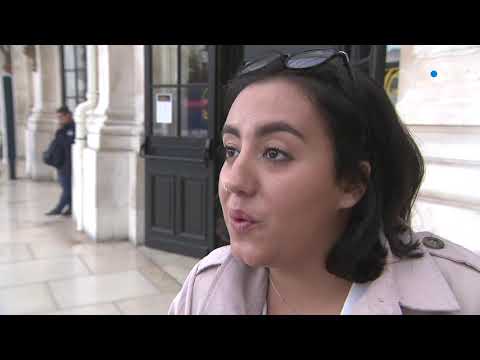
21,83
3,127
113,140
442,113
42,123
137,170
81,114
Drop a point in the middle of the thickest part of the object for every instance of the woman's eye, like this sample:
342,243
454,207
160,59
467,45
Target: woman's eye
276,155
230,152
272,154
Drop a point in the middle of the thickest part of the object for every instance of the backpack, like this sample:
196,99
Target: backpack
55,154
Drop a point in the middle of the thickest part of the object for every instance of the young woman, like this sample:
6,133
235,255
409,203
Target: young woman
317,187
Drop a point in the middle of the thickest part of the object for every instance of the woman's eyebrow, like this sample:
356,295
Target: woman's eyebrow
267,129
278,126
229,129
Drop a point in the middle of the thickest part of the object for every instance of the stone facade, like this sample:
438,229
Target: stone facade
442,114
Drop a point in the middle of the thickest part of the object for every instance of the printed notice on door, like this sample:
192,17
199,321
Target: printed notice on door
164,109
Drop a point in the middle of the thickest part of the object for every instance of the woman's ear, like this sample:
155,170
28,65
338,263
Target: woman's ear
353,191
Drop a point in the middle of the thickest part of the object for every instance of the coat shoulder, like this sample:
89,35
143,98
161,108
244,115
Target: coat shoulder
447,252
460,268
448,276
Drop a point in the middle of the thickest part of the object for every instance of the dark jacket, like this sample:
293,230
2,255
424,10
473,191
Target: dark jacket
64,138
67,136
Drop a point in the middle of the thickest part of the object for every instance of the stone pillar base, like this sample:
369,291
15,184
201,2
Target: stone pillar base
77,182
20,139
106,194
137,203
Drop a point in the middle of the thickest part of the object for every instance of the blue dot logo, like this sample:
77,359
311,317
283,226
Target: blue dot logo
434,74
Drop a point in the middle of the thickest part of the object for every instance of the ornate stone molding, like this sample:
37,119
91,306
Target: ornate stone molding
113,123
451,98
7,56
30,52
434,51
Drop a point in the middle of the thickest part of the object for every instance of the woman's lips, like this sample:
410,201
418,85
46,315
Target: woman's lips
241,221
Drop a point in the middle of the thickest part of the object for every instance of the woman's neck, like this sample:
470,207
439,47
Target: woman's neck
307,288
304,283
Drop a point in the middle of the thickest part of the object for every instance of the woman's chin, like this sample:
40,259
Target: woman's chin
251,255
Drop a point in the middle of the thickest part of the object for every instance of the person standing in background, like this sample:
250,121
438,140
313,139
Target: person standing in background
65,137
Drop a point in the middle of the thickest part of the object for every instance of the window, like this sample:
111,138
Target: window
180,90
74,79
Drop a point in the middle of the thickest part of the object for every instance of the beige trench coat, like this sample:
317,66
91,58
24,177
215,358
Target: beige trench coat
446,280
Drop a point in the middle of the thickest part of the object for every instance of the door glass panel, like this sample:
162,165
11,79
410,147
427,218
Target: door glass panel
165,118
81,56
165,64
194,64
82,84
70,85
69,57
194,111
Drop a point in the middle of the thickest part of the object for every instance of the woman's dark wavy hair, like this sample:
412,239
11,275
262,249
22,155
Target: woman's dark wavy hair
364,126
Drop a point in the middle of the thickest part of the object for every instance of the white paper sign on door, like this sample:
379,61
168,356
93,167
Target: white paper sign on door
164,109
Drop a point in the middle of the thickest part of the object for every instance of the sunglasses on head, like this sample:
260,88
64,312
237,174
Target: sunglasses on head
300,61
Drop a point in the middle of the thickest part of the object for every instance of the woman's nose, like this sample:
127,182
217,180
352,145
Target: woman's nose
239,177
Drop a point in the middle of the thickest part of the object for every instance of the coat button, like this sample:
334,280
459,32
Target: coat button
433,243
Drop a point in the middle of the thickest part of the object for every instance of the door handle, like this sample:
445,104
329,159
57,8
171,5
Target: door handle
142,150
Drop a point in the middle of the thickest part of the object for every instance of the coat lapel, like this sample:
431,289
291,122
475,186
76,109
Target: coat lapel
382,296
423,287
413,284
238,290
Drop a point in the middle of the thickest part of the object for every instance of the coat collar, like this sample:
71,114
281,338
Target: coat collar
238,290
415,284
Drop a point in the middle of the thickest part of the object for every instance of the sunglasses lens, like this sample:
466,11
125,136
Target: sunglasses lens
310,58
258,64
302,63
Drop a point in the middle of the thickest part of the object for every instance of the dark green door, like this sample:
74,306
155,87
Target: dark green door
180,135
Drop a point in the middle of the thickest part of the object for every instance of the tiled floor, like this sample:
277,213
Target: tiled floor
47,267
